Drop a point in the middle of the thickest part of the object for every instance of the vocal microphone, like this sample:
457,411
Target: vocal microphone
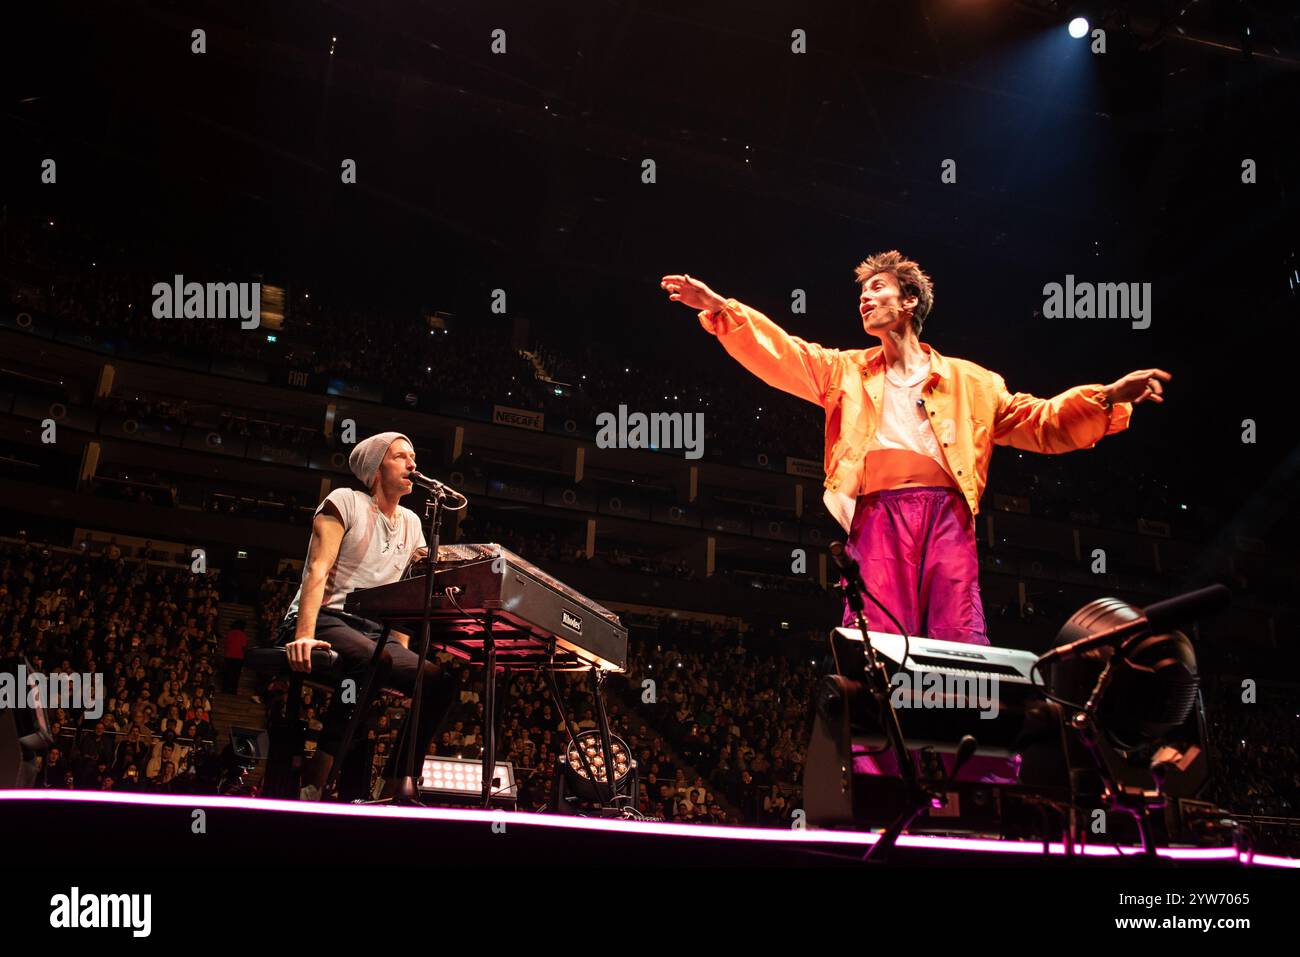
419,478
843,561
1157,617
1174,611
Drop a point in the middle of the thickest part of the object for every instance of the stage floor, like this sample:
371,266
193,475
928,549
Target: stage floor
126,827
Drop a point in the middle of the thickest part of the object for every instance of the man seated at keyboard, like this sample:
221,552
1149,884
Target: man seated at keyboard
362,539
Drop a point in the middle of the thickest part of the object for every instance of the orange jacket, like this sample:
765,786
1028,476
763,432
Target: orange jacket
970,407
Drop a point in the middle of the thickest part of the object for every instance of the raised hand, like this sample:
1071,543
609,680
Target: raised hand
1138,386
691,292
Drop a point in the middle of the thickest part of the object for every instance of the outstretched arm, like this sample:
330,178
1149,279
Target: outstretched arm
1076,419
804,369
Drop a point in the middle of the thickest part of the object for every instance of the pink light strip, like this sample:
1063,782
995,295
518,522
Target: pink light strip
666,829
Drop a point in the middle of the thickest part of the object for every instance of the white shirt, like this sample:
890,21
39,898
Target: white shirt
903,423
369,554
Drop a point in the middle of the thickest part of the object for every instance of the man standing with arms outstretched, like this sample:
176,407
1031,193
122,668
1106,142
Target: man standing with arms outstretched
909,435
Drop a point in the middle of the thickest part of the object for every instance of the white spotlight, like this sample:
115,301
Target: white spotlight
1078,28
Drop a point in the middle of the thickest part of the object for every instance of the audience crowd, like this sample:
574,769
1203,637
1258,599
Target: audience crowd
1254,747
143,629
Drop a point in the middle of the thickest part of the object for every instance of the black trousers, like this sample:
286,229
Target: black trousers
354,640
230,674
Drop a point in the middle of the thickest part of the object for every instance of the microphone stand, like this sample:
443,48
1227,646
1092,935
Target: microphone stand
915,795
405,791
1117,798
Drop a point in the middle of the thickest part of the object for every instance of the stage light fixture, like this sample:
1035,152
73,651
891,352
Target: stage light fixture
460,781
589,741
1154,681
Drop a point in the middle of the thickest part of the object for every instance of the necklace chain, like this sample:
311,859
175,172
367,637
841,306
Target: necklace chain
389,529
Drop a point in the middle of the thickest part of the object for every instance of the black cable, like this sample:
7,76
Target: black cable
569,728
451,593
1047,694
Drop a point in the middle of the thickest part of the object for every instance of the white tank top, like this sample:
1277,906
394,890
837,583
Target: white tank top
903,423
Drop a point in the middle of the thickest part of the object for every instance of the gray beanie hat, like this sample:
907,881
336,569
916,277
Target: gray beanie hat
365,458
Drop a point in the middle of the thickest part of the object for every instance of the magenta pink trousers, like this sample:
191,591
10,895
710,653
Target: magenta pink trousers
916,551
